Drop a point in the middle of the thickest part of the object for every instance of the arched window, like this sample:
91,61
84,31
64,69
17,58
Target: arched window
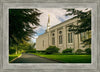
53,34
60,32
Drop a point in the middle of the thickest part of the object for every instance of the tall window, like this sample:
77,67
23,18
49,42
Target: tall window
83,36
60,37
53,41
70,38
43,43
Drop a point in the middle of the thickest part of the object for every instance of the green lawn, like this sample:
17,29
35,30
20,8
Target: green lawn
11,57
68,58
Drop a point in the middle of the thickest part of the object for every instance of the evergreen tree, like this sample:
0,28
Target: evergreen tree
22,23
84,23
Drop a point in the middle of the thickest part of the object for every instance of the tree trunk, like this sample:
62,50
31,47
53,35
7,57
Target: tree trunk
16,50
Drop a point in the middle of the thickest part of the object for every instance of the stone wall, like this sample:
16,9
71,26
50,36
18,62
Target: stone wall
42,42
45,40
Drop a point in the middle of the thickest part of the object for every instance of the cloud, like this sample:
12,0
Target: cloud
57,15
54,14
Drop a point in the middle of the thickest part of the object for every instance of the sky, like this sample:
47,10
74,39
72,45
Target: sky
57,15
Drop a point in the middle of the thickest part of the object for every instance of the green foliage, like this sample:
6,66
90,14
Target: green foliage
79,51
84,19
30,51
13,56
84,23
40,51
12,50
67,51
20,24
88,50
22,47
25,46
34,45
51,50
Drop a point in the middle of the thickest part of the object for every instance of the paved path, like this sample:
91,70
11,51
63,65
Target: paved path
30,58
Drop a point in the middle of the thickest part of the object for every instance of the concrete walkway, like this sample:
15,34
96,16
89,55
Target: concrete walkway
30,58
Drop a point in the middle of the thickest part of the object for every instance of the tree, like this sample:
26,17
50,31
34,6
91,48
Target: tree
21,24
88,50
34,45
84,23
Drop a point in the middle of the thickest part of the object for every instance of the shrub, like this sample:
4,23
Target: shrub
30,51
88,50
40,51
79,51
67,51
12,51
51,50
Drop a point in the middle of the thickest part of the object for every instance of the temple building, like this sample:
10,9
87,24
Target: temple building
60,37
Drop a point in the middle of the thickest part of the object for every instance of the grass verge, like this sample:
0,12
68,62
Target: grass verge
13,56
68,58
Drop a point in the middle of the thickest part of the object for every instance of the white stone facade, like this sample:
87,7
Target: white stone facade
60,37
